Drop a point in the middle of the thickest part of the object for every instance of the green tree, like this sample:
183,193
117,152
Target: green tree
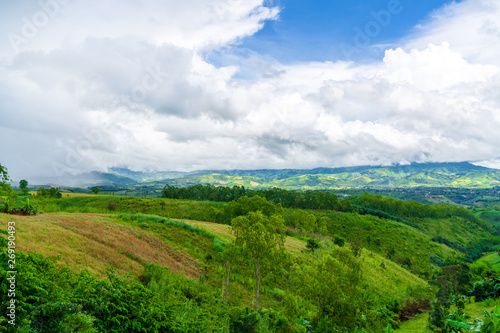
339,241
312,244
334,285
261,240
244,205
95,190
310,223
54,192
356,246
23,185
6,190
41,191
4,178
323,225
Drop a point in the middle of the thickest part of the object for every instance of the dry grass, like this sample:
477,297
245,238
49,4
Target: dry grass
94,242
64,194
223,231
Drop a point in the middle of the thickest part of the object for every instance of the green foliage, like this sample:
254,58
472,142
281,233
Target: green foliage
334,285
13,206
312,244
286,198
356,246
95,190
339,241
23,185
52,192
4,176
245,205
486,288
491,322
144,218
452,244
260,240
51,299
401,211
112,205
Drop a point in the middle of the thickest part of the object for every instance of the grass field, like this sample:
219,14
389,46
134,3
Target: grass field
96,241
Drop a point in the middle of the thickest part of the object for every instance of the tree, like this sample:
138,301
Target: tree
310,223
23,185
41,192
4,178
54,192
6,190
244,205
334,285
312,244
339,241
323,225
95,190
356,246
261,240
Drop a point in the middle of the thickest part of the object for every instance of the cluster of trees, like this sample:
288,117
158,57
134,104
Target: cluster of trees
9,198
287,199
52,192
408,209
398,210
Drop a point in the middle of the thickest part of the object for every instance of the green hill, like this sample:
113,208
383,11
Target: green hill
172,247
459,175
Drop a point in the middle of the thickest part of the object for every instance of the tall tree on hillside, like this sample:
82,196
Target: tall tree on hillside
261,240
23,185
334,284
4,177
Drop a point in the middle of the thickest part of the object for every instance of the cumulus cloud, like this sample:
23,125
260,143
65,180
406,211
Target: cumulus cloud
107,83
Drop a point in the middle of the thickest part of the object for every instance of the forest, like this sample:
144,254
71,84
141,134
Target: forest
206,258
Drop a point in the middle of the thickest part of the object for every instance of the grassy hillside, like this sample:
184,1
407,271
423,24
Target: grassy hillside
129,242
403,244
395,253
96,241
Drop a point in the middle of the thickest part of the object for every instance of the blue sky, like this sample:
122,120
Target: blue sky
313,30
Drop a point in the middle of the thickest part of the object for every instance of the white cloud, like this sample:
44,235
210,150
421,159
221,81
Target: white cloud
126,84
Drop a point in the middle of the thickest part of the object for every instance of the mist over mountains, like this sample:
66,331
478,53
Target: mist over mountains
462,174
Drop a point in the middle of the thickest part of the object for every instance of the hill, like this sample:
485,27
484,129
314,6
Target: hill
453,175
131,242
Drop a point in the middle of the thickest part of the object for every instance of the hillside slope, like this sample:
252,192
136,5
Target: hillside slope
96,241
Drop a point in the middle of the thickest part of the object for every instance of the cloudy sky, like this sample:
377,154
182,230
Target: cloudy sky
246,84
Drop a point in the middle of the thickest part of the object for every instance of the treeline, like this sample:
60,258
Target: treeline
365,204
409,209
287,199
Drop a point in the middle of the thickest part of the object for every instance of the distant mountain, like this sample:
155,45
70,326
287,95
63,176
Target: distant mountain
417,174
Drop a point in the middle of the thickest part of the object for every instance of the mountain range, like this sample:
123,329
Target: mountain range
462,174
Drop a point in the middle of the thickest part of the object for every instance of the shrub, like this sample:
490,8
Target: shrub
339,241
112,205
278,294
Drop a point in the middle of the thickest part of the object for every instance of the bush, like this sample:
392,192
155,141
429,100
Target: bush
339,241
112,205
278,294
312,244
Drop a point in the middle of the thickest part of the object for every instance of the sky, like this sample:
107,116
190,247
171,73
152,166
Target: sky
246,84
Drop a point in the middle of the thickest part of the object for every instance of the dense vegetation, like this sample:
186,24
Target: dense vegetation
275,261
